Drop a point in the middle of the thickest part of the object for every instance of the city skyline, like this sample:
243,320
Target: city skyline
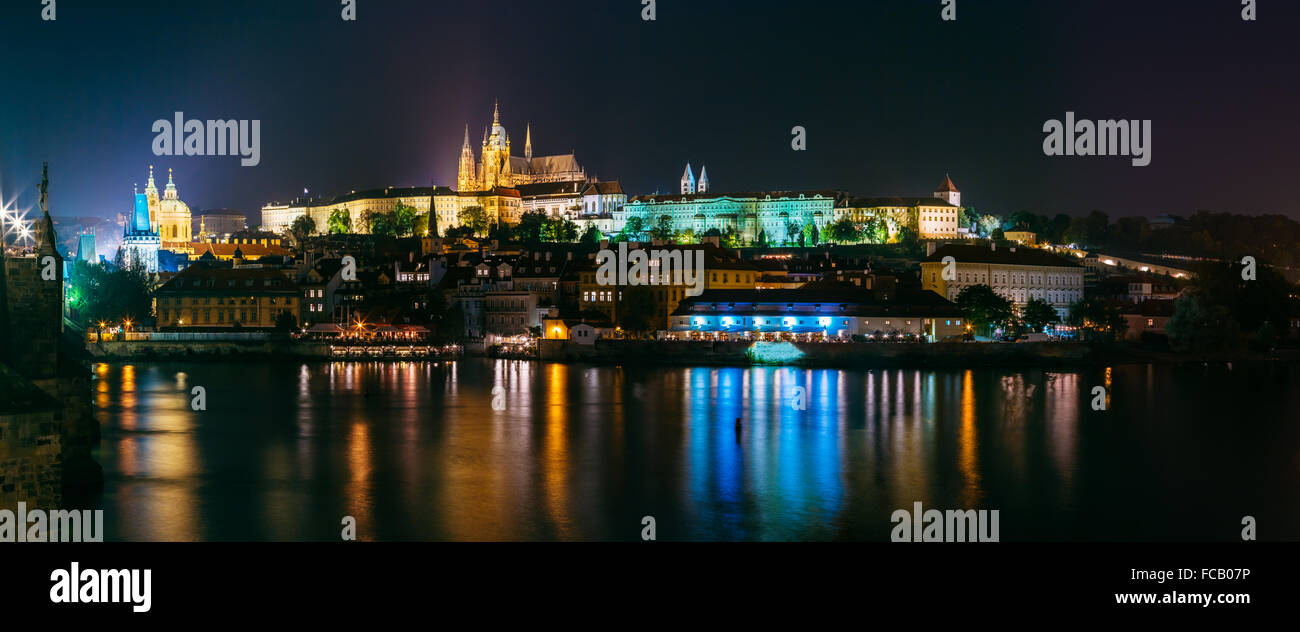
887,117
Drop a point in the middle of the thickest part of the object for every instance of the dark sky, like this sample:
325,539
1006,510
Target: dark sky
892,97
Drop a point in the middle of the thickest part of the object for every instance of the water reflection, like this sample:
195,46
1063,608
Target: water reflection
415,451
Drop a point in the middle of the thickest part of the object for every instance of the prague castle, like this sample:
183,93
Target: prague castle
496,167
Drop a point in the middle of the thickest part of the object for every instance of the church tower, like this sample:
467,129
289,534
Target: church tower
151,194
496,155
948,192
528,143
688,181
703,186
467,180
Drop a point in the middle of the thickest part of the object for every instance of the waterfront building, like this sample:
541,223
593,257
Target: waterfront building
204,297
496,167
585,328
1017,274
721,271
824,312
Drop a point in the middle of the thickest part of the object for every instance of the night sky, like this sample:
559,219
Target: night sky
892,97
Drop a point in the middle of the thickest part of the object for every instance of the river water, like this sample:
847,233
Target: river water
418,451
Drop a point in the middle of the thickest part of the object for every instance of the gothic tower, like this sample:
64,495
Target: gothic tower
496,155
151,194
467,180
703,186
688,181
528,143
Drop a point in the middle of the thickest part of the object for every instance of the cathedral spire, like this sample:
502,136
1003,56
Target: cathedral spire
496,113
703,185
466,136
528,143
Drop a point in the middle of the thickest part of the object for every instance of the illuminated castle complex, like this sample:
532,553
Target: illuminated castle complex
496,167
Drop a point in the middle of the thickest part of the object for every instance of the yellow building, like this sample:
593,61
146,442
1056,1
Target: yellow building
1017,274
279,217
499,205
721,272
1024,237
168,215
496,167
201,298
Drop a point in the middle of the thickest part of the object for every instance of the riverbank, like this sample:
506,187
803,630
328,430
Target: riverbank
703,353
875,355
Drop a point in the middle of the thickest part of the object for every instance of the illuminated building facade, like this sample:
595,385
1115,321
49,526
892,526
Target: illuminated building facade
828,313
748,214
1017,274
206,298
497,167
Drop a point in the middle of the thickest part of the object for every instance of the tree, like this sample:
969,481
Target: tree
108,294
984,308
844,232
379,224
792,233
286,322
632,229
663,230
1099,320
910,241
1038,314
340,222
592,236
1200,326
403,219
810,234
422,227
302,227
474,218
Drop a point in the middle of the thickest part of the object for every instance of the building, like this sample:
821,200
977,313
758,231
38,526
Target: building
203,297
948,193
931,218
1022,237
584,329
721,271
497,167
170,217
356,206
217,223
226,251
140,239
1018,274
820,313
776,214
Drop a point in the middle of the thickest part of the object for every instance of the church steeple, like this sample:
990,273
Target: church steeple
528,143
688,181
496,113
170,193
703,185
